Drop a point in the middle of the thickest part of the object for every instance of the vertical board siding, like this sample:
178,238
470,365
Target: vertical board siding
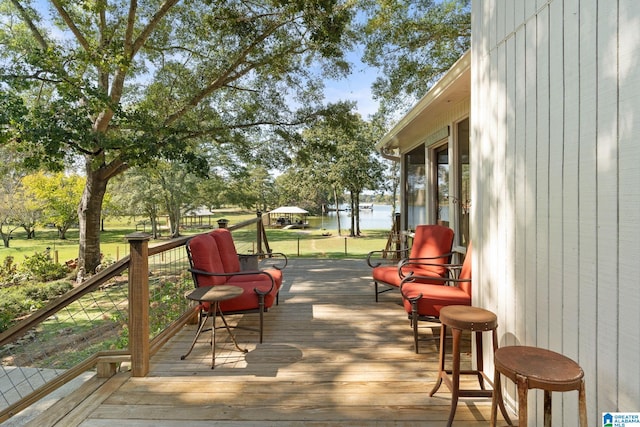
556,164
570,177
570,209
556,182
587,195
521,189
509,314
607,204
530,165
542,177
629,204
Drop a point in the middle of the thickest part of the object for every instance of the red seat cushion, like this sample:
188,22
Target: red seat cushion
259,277
248,300
434,297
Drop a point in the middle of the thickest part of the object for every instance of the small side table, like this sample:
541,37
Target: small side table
533,367
213,295
477,320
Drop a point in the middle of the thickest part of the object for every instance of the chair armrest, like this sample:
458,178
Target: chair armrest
380,256
241,273
278,257
411,277
276,260
453,270
428,260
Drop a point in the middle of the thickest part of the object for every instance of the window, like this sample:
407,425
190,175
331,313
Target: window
437,182
450,189
415,188
441,189
463,198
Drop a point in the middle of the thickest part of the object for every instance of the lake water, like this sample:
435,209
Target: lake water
378,218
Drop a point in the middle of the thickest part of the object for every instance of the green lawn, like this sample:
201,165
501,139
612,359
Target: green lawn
304,243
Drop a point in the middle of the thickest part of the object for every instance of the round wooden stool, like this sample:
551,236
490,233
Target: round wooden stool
465,318
532,367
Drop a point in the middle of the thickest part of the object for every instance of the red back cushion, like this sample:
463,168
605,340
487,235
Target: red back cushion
431,241
228,252
205,256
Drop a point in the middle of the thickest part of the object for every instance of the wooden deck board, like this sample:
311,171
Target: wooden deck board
331,356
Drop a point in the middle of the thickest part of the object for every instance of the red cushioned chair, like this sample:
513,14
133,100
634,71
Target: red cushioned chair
427,258
231,259
207,269
423,301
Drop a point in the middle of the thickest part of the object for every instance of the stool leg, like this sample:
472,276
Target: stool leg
195,339
233,338
497,394
443,336
582,398
547,408
455,374
496,385
414,323
213,335
523,388
479,359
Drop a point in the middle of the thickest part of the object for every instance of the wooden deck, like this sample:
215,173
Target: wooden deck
331,356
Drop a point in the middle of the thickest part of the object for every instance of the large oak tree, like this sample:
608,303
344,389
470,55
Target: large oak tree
120,83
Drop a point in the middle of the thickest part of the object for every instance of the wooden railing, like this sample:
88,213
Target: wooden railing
99,306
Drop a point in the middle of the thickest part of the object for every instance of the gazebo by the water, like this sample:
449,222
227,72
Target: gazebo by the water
288,217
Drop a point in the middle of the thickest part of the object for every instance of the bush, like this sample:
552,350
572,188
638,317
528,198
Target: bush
19,301
8,272
41,267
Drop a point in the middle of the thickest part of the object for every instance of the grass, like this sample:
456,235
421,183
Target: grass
303,243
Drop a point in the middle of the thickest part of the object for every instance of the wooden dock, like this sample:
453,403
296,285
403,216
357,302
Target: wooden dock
331,357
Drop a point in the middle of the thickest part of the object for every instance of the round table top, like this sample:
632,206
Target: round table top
469,318
542,368
214,293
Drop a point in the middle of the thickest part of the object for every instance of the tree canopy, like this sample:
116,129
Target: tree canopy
122,83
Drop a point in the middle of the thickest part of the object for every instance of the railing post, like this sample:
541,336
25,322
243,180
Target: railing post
139,303
260,230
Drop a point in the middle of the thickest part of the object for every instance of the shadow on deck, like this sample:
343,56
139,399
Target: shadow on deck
331,356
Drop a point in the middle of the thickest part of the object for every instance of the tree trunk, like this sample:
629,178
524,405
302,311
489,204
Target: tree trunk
353,215
357,213
174,222
62,232
89,215
335,198
6,238
154,226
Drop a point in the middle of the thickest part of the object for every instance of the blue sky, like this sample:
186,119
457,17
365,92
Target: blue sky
356,87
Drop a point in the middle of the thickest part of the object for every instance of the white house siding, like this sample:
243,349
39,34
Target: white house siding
555,131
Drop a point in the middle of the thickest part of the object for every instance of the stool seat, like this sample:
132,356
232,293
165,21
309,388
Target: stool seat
544,369
537,368
468,318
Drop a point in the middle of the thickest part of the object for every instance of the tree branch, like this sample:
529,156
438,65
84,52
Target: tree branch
146,32
131,48
27,19
72,26
227,76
